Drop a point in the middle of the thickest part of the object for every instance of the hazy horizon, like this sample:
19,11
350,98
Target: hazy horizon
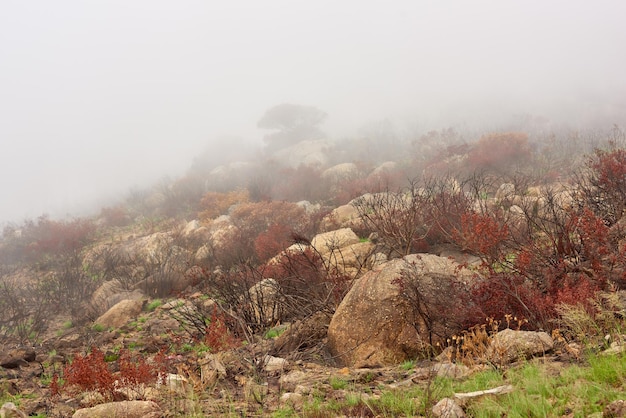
99,97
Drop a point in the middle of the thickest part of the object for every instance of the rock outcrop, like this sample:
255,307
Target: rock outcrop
384,319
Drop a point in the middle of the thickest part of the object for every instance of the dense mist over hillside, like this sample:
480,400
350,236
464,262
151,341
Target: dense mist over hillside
98,98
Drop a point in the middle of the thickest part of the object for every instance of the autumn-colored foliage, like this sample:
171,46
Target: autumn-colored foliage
499,152
271,242
604,187
217,335
89,372
214,204
483,235
115,216
135,370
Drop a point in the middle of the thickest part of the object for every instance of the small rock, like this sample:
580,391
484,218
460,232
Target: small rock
288,382
294,399
616,409
447,408
9,410
272,364
17,357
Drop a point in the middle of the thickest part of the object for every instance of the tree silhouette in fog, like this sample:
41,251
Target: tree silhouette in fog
292,123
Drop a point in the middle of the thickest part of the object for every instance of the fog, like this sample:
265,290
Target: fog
97,97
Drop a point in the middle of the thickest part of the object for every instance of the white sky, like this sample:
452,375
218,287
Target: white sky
99,95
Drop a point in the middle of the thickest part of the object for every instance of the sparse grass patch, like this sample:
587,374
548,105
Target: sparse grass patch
98,327
338,383
150,307
408,365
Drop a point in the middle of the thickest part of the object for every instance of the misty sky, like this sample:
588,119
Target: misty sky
98,96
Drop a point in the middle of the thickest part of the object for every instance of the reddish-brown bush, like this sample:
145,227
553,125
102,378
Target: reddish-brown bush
135,371
214,204
604,185
271,242
217,333
115,216
500,152
482,235
302,183
51,238
89,372
504,294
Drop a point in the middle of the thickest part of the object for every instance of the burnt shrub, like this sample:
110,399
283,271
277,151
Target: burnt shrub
603,184
500,152
115,216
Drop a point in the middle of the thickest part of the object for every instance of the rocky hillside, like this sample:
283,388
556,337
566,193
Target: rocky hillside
248,289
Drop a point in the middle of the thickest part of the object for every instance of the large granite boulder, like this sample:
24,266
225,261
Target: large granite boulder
399,310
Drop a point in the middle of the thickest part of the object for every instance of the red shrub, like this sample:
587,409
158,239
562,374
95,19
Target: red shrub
271,242
482,235
302,183
89,372
500,152
135,371
217,334
604,190
48,237
505,294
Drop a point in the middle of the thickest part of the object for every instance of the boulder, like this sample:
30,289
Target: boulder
354,259
9,410
333,240
127,409
340,173
121,313
16,357
345,216
312,153
302,335
509,345
265,299
381,320
98,303
505,191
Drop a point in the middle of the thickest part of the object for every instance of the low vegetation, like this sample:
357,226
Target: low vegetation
234,301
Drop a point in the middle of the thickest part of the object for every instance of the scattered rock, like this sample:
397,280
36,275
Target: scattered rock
509,345
212,369
290,381
121,313
9,410
294,399
333,240
127,409
447,408
265,299
302,335
273,364
17,357
616,409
